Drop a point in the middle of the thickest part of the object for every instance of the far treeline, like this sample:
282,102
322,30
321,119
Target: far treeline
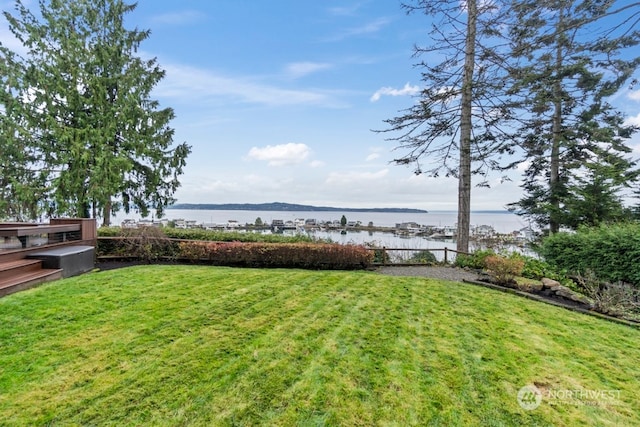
506,84
287,207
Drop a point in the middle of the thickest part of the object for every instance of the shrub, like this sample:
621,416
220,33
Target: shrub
535,268
109,231
476,260
423,257
212,235
617,299
504,270
380,255
147,243
611,251
283,255
233,236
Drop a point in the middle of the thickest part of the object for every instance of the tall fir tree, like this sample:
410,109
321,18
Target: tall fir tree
568,69
22,181
104,142
457,124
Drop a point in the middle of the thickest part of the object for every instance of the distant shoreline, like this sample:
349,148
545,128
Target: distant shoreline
286,207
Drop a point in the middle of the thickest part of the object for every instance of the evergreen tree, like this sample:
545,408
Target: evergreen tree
456,125
21,184
567,72
103,142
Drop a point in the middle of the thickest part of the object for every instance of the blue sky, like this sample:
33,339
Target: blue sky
278,99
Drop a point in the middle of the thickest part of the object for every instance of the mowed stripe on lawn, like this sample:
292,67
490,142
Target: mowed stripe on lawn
223,346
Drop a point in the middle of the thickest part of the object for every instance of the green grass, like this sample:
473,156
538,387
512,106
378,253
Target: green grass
189,345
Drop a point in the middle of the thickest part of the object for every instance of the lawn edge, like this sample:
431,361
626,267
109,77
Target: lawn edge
554,303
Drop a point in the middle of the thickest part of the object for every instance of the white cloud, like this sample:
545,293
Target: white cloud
355,178
282,154
633,120
375,153
300,69
178,18
406,90
193,84
634,95
368,28
317,164
344,10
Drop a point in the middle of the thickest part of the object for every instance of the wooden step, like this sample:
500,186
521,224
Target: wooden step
26,280
15,268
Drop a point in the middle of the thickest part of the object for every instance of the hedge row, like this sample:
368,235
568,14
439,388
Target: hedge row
285,255
209,235
611,252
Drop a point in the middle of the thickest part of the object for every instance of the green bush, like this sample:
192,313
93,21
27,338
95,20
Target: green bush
536,268
146,244
321,256
476,260
232,236
109,231
212,235
611,251
616,299
504,270
423,257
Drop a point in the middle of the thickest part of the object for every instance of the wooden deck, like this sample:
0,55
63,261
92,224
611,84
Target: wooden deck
16,271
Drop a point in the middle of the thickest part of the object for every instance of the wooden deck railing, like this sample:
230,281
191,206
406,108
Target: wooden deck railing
18,239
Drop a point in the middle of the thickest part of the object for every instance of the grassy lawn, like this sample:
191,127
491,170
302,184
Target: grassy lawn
190,345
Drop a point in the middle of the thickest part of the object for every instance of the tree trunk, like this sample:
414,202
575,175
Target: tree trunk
464,174
554,161
106,214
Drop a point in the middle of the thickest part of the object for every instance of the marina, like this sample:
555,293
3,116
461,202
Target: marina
435,229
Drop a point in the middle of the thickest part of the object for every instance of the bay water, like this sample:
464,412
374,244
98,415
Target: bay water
502,221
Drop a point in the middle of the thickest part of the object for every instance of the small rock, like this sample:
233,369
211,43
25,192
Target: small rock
567,293
535,287
550,283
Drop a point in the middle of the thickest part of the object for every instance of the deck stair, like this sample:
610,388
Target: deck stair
23,274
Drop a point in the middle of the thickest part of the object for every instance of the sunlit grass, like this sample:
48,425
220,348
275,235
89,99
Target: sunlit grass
177,345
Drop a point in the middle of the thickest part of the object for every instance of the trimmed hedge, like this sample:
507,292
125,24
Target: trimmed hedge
282,255
611,252
212,235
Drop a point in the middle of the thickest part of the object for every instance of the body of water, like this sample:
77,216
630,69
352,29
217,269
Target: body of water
501,221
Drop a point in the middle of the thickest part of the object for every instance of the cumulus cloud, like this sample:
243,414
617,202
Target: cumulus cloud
634,95
633,120
300,69
374,153
317,164
406,90
282,154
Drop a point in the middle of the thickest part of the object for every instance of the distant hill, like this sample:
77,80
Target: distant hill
283,207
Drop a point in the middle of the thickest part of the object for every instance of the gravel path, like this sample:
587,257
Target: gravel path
442,273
